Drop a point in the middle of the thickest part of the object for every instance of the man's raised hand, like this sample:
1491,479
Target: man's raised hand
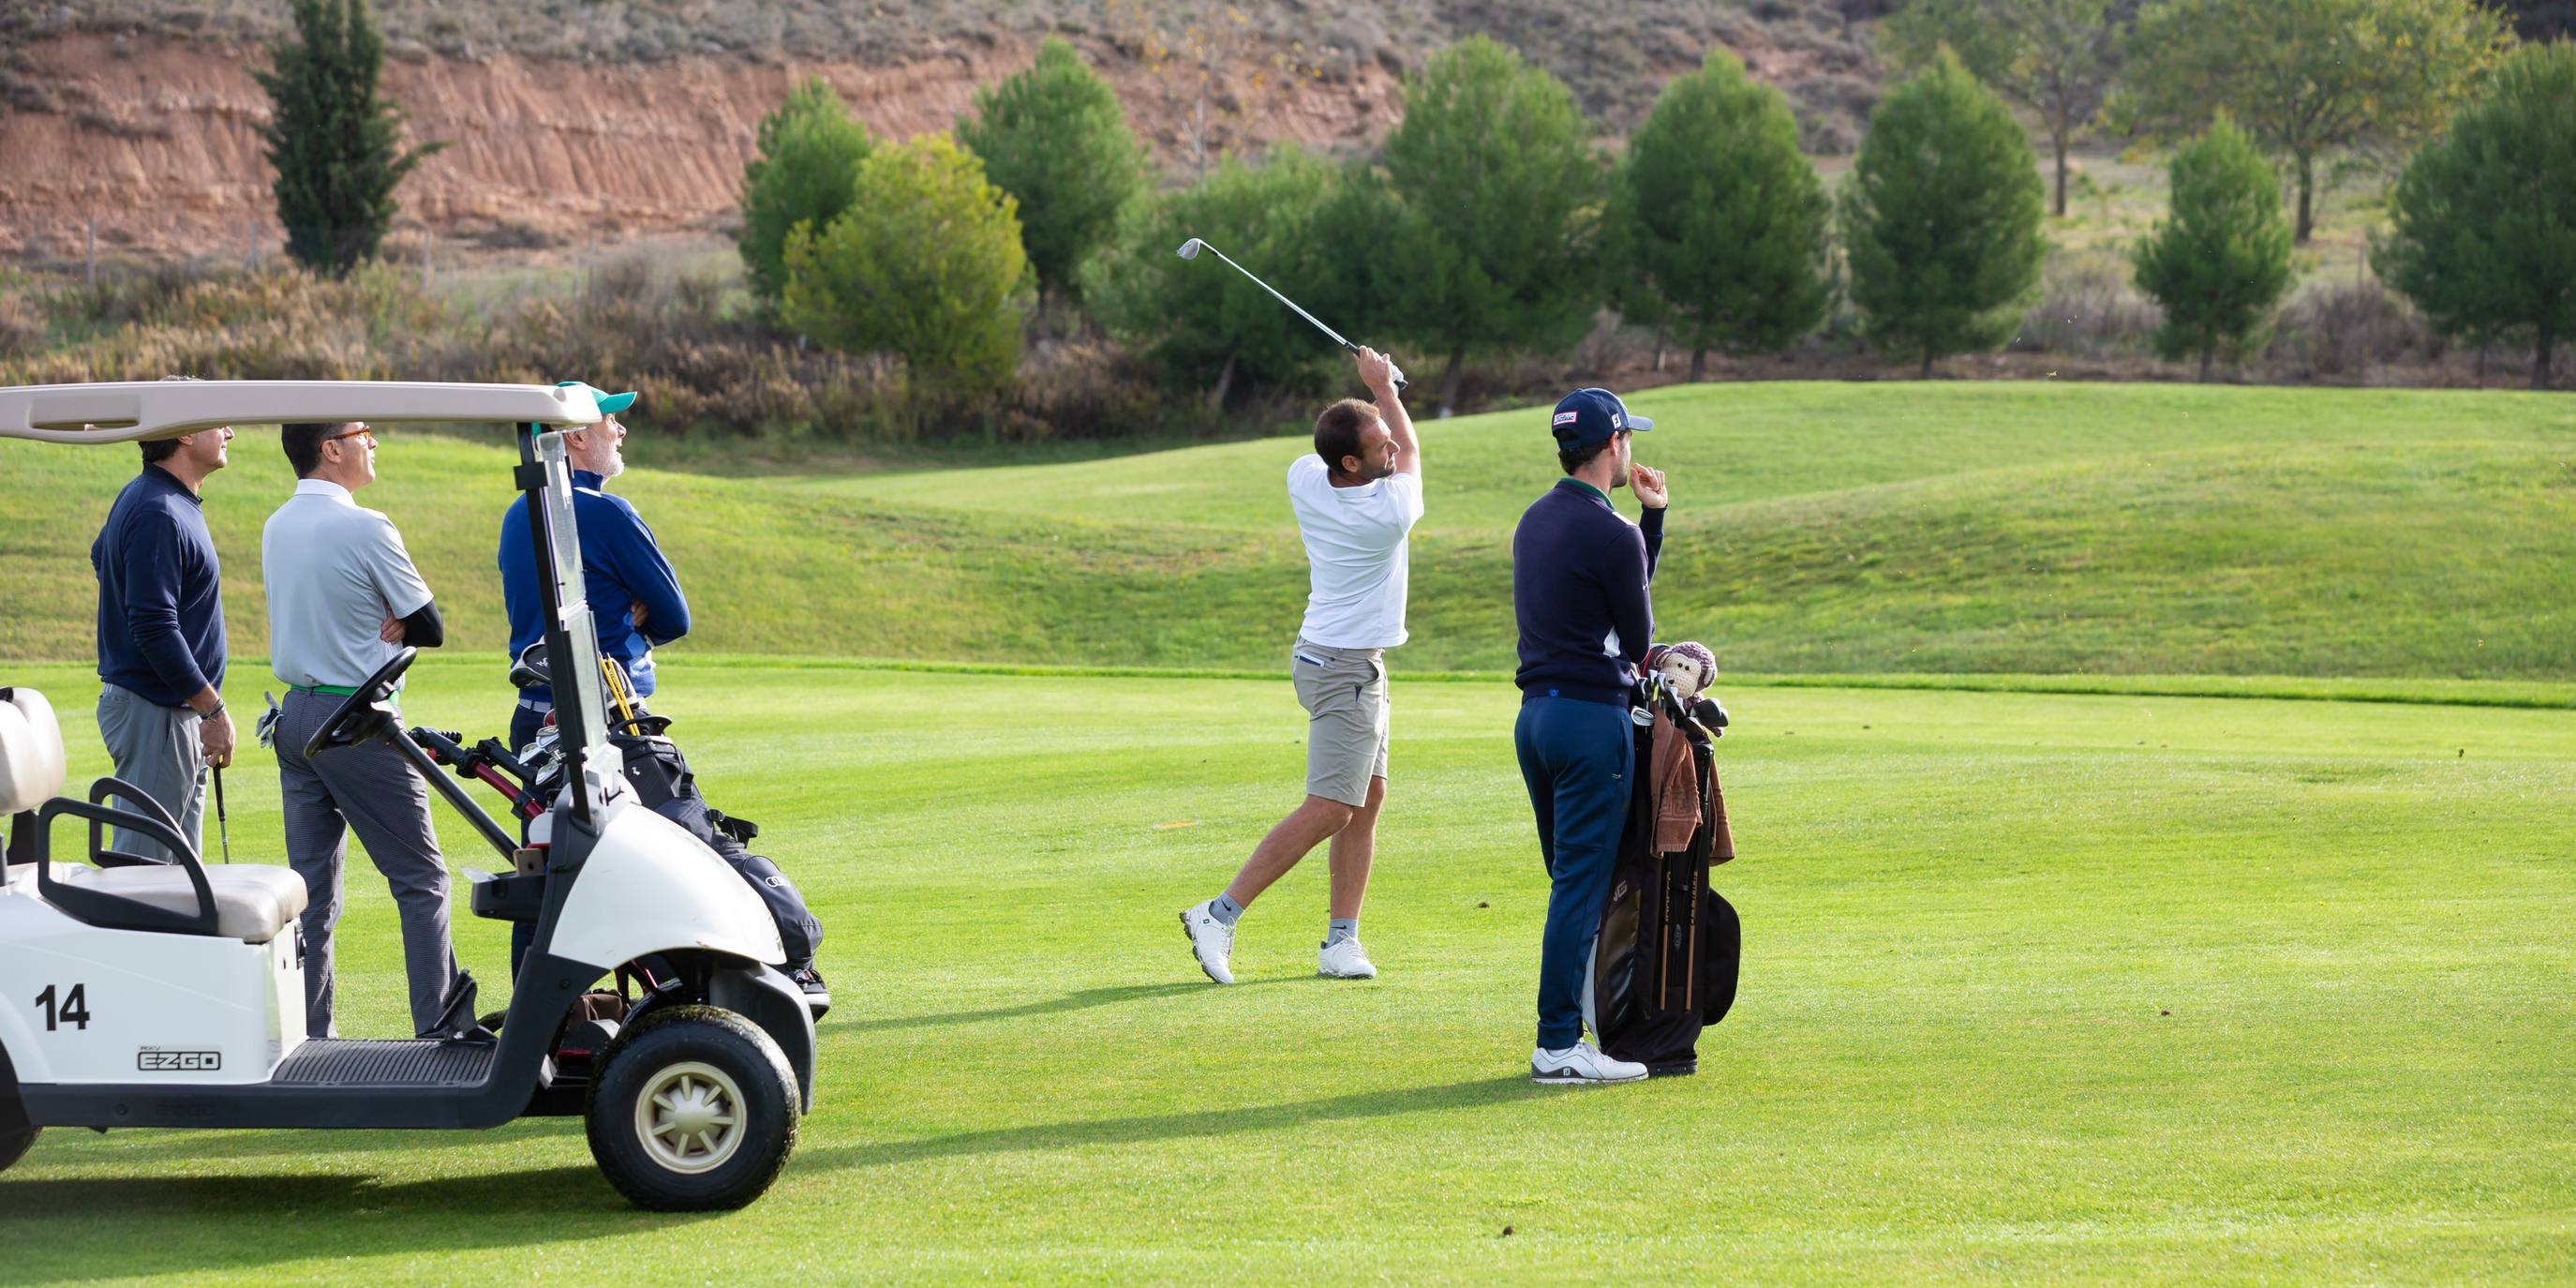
1648,483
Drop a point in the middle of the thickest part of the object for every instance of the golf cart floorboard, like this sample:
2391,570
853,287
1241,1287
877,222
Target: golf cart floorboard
416,1062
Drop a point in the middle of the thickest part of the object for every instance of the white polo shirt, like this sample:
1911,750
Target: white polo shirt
333,571
1357,554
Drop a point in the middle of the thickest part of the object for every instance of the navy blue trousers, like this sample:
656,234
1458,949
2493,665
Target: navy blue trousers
1577,758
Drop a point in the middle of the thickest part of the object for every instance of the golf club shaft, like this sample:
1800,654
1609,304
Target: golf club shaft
1292,304
223,826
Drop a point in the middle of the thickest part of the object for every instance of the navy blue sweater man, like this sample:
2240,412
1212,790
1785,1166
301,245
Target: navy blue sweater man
1582,592
634,595
161,634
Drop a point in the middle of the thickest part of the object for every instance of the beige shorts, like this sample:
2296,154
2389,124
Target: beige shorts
1344,693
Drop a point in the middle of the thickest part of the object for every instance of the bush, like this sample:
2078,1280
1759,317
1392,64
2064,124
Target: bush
1054,138
810,150
2484,235
1718,215
925,264
1941,219
2088,306
1497,176
2221,259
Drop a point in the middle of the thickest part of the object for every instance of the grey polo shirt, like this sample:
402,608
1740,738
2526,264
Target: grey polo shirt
334,570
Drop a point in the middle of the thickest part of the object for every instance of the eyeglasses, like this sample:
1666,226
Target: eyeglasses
360,432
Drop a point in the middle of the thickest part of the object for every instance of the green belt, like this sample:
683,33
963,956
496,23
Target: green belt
334,690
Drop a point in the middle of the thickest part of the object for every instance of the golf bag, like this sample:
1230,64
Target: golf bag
1663,967
663,783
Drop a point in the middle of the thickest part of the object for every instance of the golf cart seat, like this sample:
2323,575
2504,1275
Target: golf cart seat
251,902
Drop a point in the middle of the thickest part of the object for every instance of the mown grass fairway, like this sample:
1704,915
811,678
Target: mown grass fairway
1817,528
2121,989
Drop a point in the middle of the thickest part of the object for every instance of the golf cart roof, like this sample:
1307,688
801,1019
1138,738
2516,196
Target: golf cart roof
128,412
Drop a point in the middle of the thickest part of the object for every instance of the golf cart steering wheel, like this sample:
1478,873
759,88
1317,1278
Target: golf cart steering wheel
364,716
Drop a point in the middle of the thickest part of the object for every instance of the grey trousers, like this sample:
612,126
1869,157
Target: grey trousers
370,789
155,748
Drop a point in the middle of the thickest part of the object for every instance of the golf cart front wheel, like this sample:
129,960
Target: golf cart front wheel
693,1110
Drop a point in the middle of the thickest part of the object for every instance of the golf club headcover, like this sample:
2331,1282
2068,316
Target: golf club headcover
1688,667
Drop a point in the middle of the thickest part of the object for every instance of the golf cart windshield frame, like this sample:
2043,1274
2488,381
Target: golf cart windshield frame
545,476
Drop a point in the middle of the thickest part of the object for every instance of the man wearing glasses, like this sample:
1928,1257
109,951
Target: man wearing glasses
343,597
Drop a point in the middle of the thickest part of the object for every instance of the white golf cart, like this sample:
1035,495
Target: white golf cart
140,993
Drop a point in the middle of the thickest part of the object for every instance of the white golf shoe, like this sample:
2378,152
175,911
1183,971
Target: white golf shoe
1211,941
1581,1064
1345,959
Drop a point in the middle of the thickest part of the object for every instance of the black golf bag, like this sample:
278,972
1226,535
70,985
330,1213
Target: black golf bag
663,783
1663,967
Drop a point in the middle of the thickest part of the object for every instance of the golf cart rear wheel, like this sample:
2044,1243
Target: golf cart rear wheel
693,1110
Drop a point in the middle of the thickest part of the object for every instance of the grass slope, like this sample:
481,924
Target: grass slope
2037,987
1817,528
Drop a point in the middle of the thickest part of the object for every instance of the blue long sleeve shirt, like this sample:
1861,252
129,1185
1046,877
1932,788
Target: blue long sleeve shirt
1582,591
160,592
621,565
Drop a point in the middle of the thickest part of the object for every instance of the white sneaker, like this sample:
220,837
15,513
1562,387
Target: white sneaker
1211,941
1345,959
1581,1063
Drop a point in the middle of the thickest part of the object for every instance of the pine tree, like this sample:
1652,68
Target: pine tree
2484,235
1500,191
1941,218
1720,216
807,168
335,143
1055,138
2221,259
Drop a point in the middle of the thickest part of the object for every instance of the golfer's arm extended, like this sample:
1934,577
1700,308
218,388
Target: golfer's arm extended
1399,426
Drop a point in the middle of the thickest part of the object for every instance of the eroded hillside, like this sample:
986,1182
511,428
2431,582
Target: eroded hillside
569,123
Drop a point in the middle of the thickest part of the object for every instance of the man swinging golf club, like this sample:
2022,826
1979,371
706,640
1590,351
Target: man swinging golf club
1356,500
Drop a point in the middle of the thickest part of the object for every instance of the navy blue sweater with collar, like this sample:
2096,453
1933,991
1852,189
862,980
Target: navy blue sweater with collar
160,592
1582,590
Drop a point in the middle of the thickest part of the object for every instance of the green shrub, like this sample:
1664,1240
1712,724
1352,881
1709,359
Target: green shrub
1941,218
1721,218
2484,218
925,264
1054,138
2219,263
809,155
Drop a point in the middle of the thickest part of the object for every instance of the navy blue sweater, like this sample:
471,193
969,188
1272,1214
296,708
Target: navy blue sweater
160,592
1581,588
621,566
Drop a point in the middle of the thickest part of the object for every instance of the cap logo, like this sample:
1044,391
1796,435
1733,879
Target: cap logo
1618,421
1567,417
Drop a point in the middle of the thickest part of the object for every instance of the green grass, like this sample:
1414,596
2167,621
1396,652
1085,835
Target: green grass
1820,528
2134,989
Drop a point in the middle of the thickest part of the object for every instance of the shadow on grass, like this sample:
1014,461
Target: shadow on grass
91,1228
1080,1000
1206,1122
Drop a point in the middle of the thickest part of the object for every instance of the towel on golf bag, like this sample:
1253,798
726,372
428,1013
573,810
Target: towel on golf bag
663,782
1664,964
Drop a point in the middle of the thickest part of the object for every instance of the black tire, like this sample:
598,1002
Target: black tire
14,1142
712,1058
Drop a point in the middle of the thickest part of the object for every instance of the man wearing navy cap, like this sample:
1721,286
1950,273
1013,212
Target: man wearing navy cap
634,595
1582,592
